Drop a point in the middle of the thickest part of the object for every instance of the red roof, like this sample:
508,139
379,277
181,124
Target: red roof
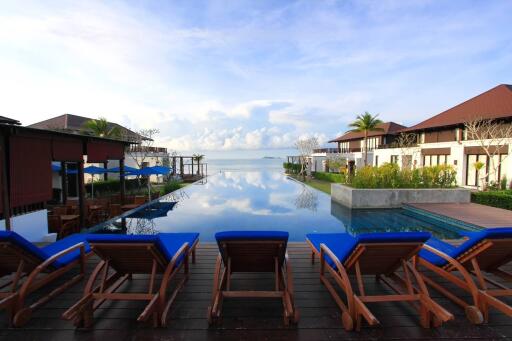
494,103
388,128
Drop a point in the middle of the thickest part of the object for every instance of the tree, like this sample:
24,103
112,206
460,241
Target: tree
198,158
366,123
306,148
143,150
407,142
102,128
492,135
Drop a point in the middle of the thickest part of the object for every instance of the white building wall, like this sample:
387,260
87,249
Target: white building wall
457,157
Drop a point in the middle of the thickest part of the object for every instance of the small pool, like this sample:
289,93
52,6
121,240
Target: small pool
263,200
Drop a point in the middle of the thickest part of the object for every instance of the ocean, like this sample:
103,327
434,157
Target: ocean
221,165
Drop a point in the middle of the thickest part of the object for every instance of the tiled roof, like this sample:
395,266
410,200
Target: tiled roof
388,128
75,123
7,120
494,103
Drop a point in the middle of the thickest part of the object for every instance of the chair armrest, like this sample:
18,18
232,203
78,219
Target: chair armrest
41,267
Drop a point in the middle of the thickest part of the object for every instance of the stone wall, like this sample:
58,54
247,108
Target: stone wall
394,198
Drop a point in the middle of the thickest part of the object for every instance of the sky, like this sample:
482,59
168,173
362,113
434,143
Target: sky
248,78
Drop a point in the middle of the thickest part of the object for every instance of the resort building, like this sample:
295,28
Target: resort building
444,139
137,155
350,146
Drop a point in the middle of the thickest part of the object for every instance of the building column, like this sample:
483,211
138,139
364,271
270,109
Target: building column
4,181
81,193
122,180
64,182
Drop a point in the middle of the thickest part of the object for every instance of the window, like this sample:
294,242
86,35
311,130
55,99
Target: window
376,160
394,159
434,160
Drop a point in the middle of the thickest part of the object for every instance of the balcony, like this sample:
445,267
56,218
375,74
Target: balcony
146,149
326,150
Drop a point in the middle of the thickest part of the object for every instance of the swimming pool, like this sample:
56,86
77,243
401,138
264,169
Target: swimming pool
262,200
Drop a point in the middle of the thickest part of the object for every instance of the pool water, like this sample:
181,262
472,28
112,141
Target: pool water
262,200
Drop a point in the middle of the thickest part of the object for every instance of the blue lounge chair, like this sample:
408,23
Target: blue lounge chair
125,255
483,252
20,258
253,251
379,254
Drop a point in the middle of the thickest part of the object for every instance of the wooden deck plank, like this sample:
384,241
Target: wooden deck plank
248,319
471,213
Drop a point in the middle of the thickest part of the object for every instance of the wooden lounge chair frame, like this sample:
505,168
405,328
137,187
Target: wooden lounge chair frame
378,259
236,252
486,256
125,259
32,274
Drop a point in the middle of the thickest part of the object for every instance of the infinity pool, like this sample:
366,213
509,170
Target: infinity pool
262,200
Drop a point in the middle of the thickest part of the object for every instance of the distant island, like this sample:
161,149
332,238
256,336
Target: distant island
271,157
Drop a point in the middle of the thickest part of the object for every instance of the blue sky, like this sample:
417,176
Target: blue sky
248,78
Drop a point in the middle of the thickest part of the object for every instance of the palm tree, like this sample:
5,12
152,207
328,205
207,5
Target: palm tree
101,128
198,158
365,123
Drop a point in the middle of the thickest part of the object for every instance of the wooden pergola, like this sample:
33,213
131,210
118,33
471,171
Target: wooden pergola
26,156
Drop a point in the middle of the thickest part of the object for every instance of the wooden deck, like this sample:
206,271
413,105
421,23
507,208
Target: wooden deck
475,214
248,319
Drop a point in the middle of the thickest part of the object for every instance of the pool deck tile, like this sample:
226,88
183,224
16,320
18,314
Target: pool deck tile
246,319
476,214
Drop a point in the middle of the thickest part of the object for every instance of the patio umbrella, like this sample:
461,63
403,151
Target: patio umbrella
148,171
93,170
127,169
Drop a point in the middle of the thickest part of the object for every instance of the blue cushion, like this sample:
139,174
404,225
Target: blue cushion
247,235
66,243
167,243
16,239
456,251
343,244
49,250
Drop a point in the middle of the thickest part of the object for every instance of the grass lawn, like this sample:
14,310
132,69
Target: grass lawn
323,186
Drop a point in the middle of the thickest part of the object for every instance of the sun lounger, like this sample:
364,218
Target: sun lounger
466,266
125,255
33,268
257,252
381,255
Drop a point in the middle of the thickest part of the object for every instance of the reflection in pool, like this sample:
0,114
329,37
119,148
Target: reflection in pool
261,200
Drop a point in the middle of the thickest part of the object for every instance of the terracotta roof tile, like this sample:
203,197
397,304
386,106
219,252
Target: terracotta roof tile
388,128
494,103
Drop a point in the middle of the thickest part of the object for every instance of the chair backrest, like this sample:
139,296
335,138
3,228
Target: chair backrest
383,253
129,253
491,247
59,210
54,223
139,200
115,210
252,251
13,249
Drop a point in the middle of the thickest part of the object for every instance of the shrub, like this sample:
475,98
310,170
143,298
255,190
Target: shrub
171,186
114,186
500,199
292,168
330,177
389,175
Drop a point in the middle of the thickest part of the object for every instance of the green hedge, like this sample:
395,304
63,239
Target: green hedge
114,186
292,168
171,186
330,177
389,175
500,199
